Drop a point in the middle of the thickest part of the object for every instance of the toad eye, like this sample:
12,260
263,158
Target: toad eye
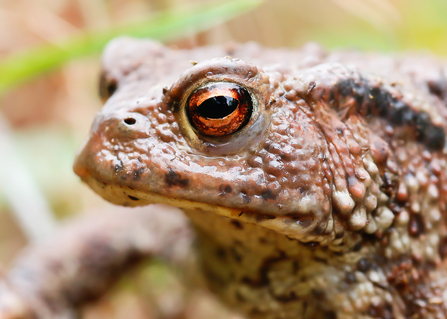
219,109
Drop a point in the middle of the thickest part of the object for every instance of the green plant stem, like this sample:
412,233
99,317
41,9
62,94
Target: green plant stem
19,67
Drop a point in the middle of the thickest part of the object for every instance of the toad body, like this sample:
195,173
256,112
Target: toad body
316,181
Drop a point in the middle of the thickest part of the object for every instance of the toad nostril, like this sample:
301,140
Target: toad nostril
130,121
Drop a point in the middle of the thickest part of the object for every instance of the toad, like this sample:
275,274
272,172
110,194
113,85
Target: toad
316,182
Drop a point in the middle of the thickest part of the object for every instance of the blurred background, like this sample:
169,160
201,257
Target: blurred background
43,121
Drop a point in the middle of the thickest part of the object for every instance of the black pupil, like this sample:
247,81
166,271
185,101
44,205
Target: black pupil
217,107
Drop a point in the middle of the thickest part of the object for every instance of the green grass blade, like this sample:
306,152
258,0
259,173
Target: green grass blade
22,66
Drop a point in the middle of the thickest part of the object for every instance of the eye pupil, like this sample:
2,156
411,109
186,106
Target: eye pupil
217,107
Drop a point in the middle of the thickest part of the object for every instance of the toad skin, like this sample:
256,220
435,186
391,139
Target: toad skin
329,201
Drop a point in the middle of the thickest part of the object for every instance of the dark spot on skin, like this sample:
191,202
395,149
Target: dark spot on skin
295,267
346,87
357,246
238,243
361,92
332,97
382,311
287,157
240,214
426,132
422,121
318,293
416,225
389,183
443,247
118,167
401,113
236,224
255,312
338,253
137,173
311,244
174,179
438,88
214,278
380,101
240,298
320,259
224,189
320,229
305,305
339,235
291,296
330,315
221,253
133,198
429,265
236,255
364,265
385,239
350,278
434,137
268,194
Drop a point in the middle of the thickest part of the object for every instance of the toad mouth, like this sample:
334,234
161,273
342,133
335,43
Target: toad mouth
292,227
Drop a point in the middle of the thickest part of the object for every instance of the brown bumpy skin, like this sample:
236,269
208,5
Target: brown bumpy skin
330,202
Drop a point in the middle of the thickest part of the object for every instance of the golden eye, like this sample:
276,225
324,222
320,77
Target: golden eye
219,109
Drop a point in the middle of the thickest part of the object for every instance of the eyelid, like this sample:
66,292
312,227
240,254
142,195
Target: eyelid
216,92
